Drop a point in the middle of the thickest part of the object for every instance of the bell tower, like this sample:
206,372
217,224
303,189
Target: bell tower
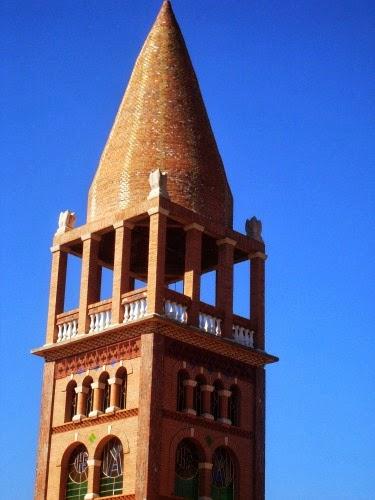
152,393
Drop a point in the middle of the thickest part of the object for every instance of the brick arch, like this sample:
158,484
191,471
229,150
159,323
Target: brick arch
98,456
64,465
70,396
180,435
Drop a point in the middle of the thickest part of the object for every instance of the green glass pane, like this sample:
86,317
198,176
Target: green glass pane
187,488
225,493
75,491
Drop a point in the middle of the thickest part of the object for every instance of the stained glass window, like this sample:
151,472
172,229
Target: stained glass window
223,475
76,486
187,471
111,471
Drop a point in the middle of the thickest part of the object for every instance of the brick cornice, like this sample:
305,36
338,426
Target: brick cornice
89,422
208,424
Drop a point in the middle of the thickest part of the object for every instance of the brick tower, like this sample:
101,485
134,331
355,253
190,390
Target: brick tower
154,394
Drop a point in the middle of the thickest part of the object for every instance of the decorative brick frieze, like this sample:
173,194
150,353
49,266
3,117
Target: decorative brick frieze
97,358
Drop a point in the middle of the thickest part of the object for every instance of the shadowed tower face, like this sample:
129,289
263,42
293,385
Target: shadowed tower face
149,392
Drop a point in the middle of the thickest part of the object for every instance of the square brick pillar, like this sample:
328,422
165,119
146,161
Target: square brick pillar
57,290
90,279
257,283
151,388
121,268
156,260
193,268
224,284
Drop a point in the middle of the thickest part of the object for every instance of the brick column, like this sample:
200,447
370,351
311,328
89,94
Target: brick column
90,280
224,284
257,266
57,291
114,397
193,268
82,392
189,396
156,260
121,268
93,479
205,480
224,395
206,401
98,393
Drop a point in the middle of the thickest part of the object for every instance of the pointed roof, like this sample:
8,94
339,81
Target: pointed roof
162,123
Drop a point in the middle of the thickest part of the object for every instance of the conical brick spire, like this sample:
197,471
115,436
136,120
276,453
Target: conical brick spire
162,123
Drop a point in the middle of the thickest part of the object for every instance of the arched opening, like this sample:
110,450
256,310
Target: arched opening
105,400
234,405
215,401
187,470
76,476
181,391
198,396
86,385
111,469
70,401
223,475
123,375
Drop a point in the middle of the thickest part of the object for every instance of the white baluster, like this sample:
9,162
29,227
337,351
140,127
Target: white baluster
126,313
64,331
59,333
218,326
74,328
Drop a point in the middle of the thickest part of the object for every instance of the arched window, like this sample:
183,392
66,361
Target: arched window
76,482
111,469
89,395
223,475
234,406
187,470
181,392
215,401
71,401
198,399
122,374
103,379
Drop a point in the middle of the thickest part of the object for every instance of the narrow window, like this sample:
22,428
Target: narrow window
181,391
215,401
122,374
71,401
198,397
106,391
234,406
76,481
187,471
89,395
111,470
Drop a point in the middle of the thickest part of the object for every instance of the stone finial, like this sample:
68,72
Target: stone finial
254,228
67,220
158,184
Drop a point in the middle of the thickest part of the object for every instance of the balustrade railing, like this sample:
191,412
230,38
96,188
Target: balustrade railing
175,311
100,316
243,336
67,325
210,324
135,305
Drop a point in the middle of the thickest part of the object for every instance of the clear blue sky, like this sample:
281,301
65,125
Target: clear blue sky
289,87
